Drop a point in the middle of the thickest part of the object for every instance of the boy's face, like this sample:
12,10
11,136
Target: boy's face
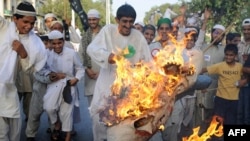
163,31
125,24
47,44
230,57
190,43
235,41
57,45
149,35
25,24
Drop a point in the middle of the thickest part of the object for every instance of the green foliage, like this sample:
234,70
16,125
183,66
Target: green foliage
63,10
225,12
174,7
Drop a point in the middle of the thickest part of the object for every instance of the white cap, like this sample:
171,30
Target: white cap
191,21
246,22
140,23
55,34
218,26
50,15
93,13
190,29
54,22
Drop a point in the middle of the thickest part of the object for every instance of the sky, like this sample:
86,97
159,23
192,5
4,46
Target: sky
140,6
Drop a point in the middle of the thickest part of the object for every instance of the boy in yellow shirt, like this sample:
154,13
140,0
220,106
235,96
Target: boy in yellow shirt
229,72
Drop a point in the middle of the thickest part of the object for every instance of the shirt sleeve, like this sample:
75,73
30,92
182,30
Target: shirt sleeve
78,67
74,37
98,48
213,69
200,40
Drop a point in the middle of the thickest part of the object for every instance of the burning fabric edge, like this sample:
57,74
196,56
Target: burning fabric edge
143,95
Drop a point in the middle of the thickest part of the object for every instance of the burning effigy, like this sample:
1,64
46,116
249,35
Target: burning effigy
143,94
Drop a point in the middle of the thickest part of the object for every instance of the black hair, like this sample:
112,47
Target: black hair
230,36
149,26
125,10
26,6
44,38
237,34
231,47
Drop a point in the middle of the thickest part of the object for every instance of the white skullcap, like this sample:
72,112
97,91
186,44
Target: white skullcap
140,23
191,21
218,26
246,22
190,29
55,34
26,9
54,22
50,15
93,13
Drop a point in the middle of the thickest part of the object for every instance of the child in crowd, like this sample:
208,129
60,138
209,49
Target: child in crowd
149,33
61,96
233,38
229,71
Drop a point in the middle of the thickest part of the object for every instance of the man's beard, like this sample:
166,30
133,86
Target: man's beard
216,42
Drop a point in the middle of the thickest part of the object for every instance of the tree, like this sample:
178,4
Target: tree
63,10
225,12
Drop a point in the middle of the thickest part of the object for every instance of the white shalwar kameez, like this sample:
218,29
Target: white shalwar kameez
67,62
10,116
108,41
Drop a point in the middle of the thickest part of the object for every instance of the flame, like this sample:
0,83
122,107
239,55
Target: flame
215,128
137,88
161,127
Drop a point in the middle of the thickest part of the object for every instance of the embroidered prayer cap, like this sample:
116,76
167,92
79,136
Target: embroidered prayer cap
26,9
140,23
55,34
54,22
246,22
93,13
218,26
164,20
49,15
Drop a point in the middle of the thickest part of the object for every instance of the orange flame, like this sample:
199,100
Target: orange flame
215,128
137,87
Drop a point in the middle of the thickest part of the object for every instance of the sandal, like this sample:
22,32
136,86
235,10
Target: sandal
55,135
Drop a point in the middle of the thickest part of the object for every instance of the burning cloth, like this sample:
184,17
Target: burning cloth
143,95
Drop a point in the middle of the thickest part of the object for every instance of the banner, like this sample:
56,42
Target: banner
77,7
